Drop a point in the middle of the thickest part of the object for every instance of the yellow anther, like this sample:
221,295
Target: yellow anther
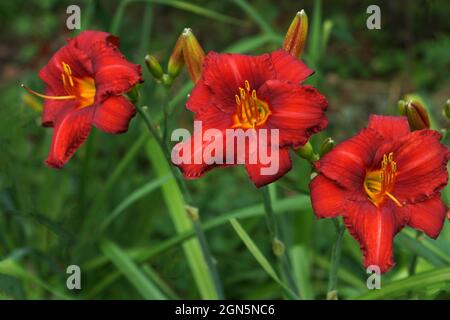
380,183
250,111
247,85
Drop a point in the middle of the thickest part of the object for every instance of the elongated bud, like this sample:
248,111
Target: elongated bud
295,39
154,67
176,61
192,212
401,104
447,109
326,146
193,55
278,247
417,115
307,152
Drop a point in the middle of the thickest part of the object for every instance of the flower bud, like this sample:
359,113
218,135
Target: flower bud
326,146
176,61
447,109
307,152
192,212
278,247
417,115
401,104
154,67
295,39
193,55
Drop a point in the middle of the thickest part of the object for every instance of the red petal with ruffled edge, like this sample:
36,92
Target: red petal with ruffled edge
327,198
225,73
263,174
113,74
428,216
297,111
86,39
54,107
348,161
71,130
78,61
421,166
200,98
288,68
390,127
114,115
374,229
194,164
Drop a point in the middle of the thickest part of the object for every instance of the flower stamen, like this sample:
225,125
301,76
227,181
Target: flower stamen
380,183
250,110
82,89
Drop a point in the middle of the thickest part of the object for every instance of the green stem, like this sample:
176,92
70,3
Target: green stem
335,261
197,228
413,264
212,266
278,245
154,132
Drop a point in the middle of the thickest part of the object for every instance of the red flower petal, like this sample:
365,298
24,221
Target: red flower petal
71,130
193,168
428,216
260,178
78,61
113,74
327,198
225,73
390,127
52,108
297,111
288,68
86,39
347,162
114,115
200,98
374,228
197,165
422,166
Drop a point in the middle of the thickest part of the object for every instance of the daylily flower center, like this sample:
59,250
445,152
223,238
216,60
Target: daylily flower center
81,89
251,112
380,183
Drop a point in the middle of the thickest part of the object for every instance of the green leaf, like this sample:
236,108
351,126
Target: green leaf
177,210
438,277
132,198
257,254
128,268
301,266
249,44
255,16
182,5
142,254
411,244
12,268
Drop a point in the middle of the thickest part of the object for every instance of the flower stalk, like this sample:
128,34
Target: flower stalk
278,246
335,262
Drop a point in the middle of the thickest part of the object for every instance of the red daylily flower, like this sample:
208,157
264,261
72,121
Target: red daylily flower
85,82
251,93
381,180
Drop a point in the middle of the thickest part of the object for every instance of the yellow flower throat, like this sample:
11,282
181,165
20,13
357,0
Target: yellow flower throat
81,89
251,112
379,183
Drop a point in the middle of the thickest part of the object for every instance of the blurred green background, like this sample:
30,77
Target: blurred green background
111,209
